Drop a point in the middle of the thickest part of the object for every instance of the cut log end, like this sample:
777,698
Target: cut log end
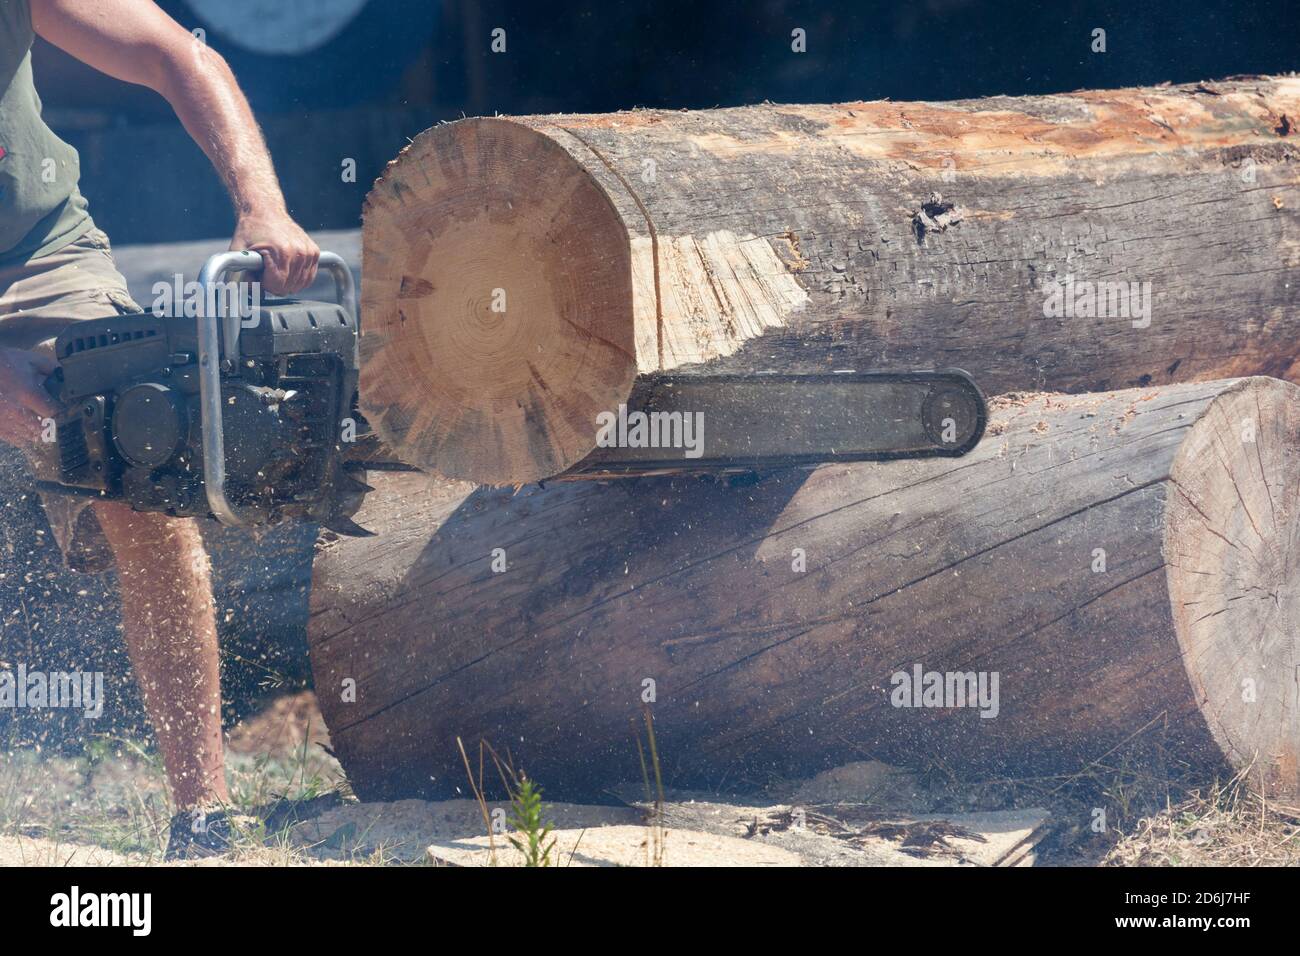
1232,547
497,305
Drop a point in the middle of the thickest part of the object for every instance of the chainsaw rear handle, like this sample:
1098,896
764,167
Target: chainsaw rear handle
212,342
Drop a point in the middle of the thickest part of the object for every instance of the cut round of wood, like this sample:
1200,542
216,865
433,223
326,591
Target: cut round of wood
520,273
1102,568
500,283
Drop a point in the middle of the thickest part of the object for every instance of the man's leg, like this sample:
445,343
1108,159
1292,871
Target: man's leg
171,636
162,568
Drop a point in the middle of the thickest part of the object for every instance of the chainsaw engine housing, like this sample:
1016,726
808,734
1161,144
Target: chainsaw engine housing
131,426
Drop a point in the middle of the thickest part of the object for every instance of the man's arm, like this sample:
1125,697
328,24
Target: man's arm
135,41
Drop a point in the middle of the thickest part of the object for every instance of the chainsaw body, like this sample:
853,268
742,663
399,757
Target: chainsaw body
243,417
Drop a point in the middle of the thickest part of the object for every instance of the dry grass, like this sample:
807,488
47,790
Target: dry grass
113,798
1224,825
1139,804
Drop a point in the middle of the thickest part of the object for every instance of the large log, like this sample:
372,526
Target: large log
522,272
1123,562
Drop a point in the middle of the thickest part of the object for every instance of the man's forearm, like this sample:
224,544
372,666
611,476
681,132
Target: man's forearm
206,98
209,103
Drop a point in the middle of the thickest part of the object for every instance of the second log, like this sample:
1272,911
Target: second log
1122,562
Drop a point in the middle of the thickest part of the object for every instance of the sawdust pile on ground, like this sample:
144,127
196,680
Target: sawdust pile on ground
282,727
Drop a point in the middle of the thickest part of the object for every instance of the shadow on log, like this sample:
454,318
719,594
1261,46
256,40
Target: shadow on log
1118,561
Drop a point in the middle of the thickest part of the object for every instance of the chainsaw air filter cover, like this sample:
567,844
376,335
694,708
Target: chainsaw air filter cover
149,424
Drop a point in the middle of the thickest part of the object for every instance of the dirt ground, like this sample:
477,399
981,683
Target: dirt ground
109,807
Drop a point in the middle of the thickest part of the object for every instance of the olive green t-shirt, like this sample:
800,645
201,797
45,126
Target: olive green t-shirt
41,209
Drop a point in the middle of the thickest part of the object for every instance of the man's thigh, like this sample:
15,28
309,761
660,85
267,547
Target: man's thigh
40,298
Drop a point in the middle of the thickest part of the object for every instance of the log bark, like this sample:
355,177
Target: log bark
521,273
1124,562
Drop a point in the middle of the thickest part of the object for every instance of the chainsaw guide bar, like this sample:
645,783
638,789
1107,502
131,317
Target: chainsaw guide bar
727,423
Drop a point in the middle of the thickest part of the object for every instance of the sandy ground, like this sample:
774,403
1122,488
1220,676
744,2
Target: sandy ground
109,807
40,851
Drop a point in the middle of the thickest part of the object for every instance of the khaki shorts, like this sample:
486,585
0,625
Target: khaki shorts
38,300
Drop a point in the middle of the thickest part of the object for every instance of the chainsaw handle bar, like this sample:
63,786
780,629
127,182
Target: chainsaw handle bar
219,266
211,355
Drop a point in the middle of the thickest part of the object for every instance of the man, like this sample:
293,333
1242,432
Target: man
56,268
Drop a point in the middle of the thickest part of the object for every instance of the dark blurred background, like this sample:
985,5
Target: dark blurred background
336,79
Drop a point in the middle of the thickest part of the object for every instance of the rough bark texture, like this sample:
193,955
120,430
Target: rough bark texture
809,238
1125,562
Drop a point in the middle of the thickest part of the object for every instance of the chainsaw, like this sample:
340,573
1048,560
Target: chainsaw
246,416
250,416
